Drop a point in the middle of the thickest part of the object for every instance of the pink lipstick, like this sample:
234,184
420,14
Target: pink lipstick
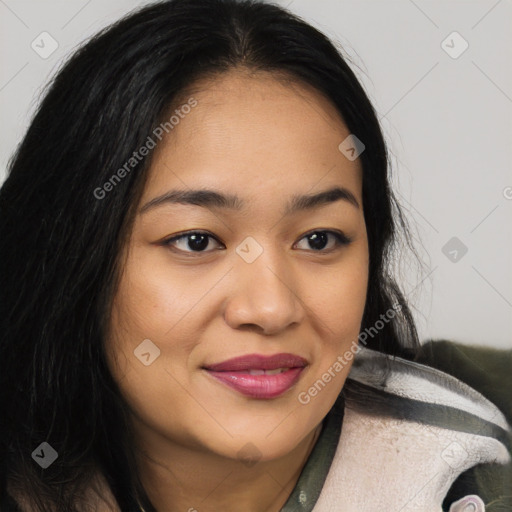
259,376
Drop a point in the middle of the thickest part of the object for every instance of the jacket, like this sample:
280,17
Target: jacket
405,436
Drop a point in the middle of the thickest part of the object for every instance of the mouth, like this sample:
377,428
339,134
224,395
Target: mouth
258,376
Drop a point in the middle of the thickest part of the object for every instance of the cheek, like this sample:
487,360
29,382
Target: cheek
145,308
338,298
338,308
157,302
152,297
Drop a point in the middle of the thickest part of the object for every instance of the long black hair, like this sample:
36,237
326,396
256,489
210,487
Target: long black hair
61,240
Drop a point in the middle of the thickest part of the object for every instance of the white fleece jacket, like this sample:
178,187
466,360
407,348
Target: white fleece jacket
401,450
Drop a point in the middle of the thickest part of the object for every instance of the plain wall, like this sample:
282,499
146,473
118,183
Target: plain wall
446,115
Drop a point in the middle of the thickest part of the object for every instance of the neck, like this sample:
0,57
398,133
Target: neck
180,478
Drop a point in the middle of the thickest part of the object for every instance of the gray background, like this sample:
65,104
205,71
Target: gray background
446,119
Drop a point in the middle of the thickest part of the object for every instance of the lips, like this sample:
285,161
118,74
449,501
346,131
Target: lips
259,362
259,376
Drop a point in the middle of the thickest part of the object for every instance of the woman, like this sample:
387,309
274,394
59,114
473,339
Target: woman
196,231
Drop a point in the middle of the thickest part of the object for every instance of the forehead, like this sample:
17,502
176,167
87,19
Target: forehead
254,132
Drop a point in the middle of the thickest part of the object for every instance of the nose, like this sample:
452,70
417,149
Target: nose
265,297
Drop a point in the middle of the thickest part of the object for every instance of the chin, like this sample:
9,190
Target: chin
260,445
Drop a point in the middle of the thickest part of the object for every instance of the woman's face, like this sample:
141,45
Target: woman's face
268,279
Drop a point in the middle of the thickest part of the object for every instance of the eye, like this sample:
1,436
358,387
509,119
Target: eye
198,241
319,239
193,241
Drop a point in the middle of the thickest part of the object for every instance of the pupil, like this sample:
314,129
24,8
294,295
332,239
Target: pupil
198,242
318,240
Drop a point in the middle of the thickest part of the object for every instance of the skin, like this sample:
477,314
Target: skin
265,140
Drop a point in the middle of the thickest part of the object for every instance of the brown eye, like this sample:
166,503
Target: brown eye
198,241
318,240
193,241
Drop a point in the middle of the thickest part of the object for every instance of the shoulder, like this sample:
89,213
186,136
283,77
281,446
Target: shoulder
489,371
486,369
413,388
409,431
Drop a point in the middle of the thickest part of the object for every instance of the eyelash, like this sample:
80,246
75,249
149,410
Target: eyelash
341,241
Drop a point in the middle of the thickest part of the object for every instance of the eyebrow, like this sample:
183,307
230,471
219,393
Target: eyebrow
212,199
